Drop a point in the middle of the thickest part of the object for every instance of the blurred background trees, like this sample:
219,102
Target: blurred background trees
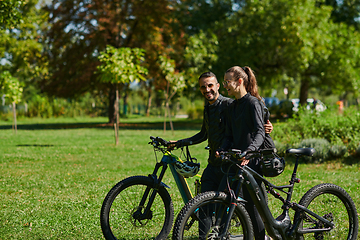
310,48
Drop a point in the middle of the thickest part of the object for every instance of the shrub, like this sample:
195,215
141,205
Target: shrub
341,132
358,150
322,148
281,147
195,112
338,151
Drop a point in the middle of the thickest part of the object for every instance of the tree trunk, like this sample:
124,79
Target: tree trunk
117,116
169,112
165,120
166,103
14,117
112,99
125,100
304,91
148,106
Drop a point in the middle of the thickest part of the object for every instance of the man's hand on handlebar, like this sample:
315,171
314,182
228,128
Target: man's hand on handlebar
172,145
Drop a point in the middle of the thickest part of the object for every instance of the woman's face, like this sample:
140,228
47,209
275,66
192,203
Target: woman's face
230,85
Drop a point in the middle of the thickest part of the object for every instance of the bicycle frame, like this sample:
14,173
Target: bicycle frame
281,227
167,161
181,182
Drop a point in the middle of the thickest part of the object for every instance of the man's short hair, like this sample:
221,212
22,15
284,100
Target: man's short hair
207,75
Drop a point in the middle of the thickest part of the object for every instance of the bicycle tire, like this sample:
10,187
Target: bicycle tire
240,227
116,217
333,203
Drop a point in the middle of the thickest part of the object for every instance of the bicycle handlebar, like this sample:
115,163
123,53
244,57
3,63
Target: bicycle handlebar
237,154
156,141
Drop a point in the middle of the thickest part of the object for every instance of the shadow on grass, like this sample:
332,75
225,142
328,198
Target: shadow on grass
183,125
35,145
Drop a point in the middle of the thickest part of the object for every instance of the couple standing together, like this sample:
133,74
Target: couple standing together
241,124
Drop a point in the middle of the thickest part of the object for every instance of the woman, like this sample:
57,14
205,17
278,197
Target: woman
245,128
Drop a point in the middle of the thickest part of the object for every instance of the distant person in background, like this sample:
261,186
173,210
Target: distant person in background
341,106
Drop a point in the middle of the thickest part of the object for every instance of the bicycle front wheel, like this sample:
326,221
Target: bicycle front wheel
334,204
123,217
204,216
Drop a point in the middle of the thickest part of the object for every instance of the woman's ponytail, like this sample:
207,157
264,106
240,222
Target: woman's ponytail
251,83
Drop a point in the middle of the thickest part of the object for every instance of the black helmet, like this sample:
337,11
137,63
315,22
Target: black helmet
272,166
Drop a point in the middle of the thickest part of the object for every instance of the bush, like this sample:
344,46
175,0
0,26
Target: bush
195,112
358,150
281,147
322,148
45,107
334,134
338,151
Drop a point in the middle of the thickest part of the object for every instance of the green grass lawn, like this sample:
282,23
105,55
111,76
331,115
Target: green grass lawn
53,180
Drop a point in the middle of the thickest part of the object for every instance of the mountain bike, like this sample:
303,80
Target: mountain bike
326,211
140,207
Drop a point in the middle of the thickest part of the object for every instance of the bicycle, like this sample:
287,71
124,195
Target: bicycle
316,216
141,206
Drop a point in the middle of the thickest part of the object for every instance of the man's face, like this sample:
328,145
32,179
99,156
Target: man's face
209,87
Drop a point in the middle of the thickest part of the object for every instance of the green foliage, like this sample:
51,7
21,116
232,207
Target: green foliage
195,112
291,43
10,15
10,87
345,11
122,65
200,56
322,147
20,48
42,106
334,134
175,79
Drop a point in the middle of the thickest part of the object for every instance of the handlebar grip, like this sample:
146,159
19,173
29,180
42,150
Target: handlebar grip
160,140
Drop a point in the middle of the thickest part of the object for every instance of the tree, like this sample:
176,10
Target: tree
118,66
21,48
289,38
200,55
12,89
202,21
80,30
10,15
345,11
174,83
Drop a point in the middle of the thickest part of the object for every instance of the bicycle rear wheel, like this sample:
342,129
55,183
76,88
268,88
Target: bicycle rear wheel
203,218
334,204
121,215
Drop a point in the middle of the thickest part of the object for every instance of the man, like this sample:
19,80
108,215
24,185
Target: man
213,129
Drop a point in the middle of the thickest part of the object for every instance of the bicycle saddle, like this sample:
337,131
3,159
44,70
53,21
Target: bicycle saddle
303,151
